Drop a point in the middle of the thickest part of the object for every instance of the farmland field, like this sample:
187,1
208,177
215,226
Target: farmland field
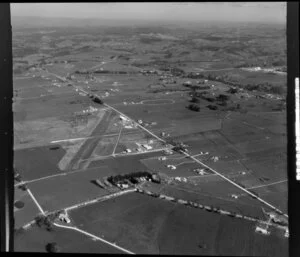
70,189
35,240
105,114
27,213
152,226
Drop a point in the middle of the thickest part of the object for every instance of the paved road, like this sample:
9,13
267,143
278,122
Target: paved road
79,230
36,202
202,70
193,158
95,237
113,153
196,160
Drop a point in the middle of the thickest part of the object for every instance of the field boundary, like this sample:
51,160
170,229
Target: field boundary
95,237
188,155
207,208
196,160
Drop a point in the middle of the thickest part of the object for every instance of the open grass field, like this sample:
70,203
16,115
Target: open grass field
245,77
33,163
225,203
124,164
50,106
64,149
30,83
148,225
28,212
64,191
184,167
35,239
31,94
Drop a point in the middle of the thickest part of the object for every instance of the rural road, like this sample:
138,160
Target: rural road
202,70
188,155
82,231
196,160
95,237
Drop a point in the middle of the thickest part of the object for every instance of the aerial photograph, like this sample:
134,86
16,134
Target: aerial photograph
150,128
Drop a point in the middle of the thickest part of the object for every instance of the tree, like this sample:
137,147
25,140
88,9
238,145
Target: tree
232,90
148,137
194,107
23,187
43,221
212,107
19,231
52,247
222,97
194,100
97,100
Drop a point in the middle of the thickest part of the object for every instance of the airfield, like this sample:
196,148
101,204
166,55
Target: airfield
64,141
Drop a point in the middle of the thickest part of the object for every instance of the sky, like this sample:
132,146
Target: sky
185,11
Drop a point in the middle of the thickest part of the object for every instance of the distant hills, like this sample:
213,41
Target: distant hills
38,22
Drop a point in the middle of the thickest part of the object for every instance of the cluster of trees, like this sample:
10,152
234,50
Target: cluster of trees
81,72
221,100
103,71
176,71
222,97
193,75
96,99
52,247
161,90
43,221
131,177
196,87
263,87
232,90
212,107
194,99
23,187
179,147
194,107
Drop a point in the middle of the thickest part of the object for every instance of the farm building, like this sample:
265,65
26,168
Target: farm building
123,118
99,183
155,178
187,83
262,230
168,151
287,233
172,167
64,218
148,147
